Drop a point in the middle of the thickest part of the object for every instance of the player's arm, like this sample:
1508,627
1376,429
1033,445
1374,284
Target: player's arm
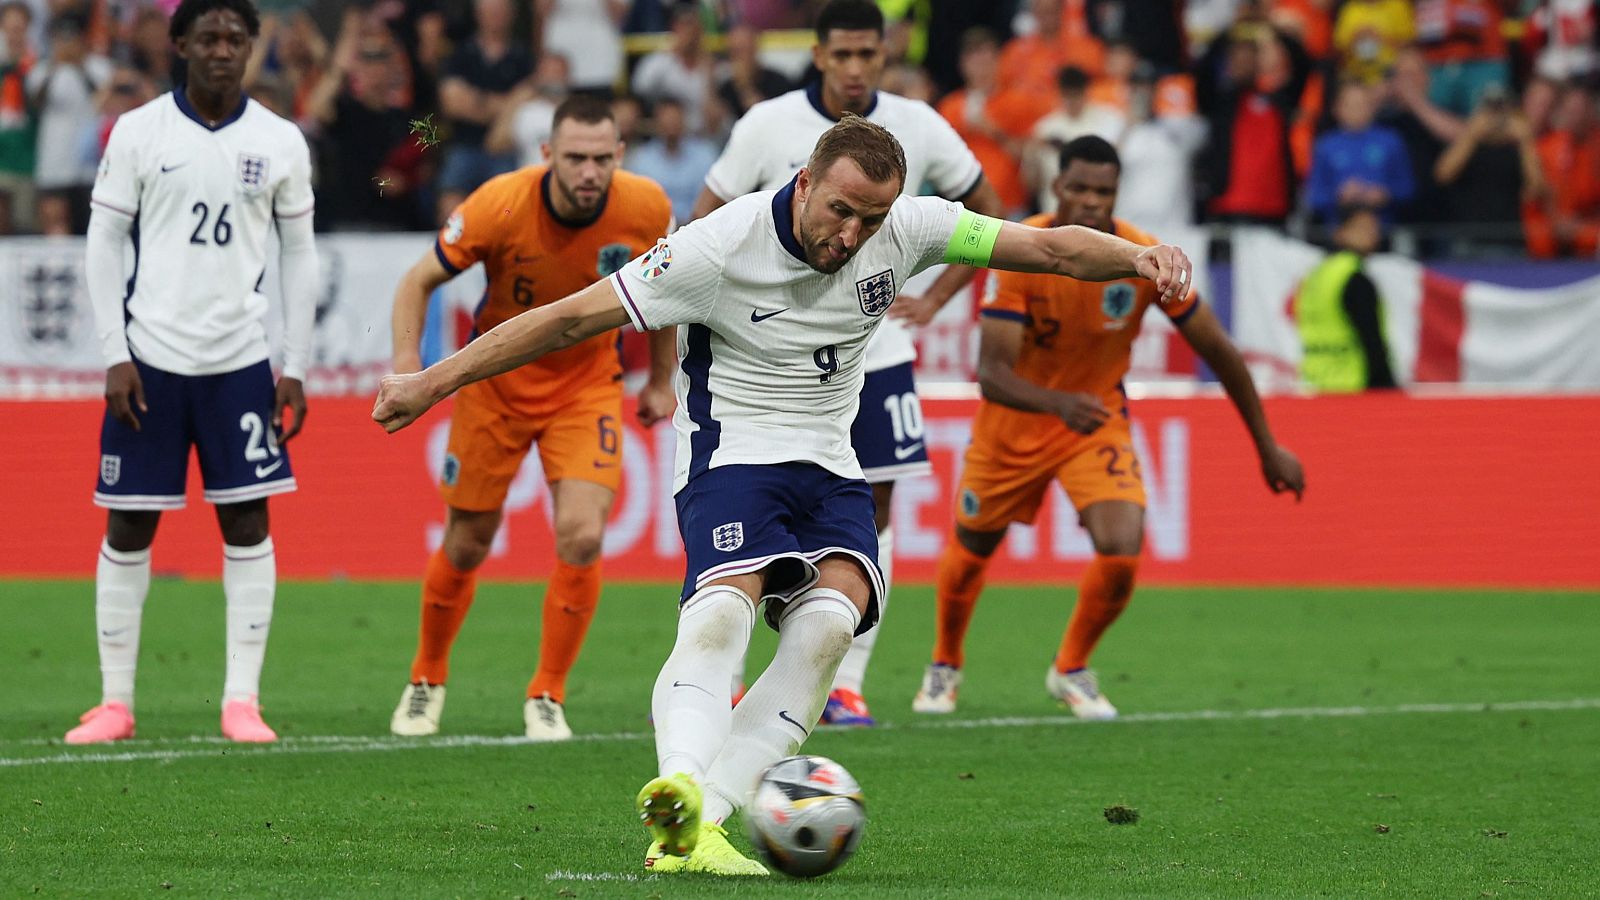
656,399
982,200
514,342
1071,250
411,310
297,261
1206,335
113,210
999,346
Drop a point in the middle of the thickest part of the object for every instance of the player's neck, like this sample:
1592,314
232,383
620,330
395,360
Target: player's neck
564,210
836,107
213,106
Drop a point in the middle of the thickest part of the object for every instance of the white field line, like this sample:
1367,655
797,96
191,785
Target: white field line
565,875
213,747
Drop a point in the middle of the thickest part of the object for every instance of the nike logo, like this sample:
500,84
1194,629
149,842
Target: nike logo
264,471
762,317
600,465
257,626
521,260
166,169
695,686
784,715
113,632
903,452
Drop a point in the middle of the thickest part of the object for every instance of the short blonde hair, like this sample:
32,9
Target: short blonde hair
869,145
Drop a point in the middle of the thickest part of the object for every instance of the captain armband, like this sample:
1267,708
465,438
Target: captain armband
973,241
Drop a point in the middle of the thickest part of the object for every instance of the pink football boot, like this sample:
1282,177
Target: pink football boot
106,722
241,721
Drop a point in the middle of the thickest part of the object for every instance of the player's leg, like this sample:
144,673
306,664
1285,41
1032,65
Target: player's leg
580,448
486,446
995,490
242,464
815,630
142,472
1104,483
734,522
888,437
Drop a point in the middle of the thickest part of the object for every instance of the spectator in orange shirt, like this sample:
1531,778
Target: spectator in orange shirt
1029,62
1565,219
1173,94
993,121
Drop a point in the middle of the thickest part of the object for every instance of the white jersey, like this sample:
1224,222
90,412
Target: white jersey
774,140
772,360
203,202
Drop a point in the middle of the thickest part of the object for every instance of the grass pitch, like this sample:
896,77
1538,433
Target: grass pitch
1275,743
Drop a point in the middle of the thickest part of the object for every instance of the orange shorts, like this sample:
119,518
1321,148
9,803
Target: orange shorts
999,487
581,439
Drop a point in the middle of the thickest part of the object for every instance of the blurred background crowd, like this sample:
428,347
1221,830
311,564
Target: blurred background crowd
1469,126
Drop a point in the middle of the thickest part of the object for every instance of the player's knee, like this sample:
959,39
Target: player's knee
579,545
243,524
1126,543
465,549
130,531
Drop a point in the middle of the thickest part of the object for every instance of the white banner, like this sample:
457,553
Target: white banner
1439,329
47,346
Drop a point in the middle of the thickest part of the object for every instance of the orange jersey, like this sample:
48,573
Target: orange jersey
533,259
1079,338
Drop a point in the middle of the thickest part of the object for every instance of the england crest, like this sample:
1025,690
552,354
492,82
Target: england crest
1116,301
729,537
612,258
110,469
252,171
876,293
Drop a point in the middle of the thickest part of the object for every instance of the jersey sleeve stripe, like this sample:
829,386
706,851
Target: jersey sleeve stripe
628,305
1009,315
96,201
1183,317
295,215
977,179
438,250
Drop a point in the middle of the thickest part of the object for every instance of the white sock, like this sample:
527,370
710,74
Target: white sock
853,670
121,581
249,579
692,703
782,707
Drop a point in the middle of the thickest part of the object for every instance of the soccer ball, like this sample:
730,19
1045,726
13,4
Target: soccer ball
807,817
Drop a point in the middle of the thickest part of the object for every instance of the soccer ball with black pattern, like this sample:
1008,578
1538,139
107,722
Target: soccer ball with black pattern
807,817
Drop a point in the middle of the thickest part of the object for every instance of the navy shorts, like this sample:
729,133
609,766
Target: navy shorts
887,434
740,519
227,418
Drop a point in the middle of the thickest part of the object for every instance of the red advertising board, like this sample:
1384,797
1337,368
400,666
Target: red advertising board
1402,491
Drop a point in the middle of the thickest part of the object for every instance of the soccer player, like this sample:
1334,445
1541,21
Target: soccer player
200,177
542,233
1052,354
780,292
763,153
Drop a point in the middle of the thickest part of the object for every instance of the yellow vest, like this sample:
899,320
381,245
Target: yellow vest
1333,361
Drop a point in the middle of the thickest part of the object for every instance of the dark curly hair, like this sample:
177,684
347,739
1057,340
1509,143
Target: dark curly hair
190,10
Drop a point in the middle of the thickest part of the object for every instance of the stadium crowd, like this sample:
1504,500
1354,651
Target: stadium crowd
1473,122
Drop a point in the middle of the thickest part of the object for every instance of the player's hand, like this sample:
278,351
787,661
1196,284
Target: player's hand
291,394
124,394
1283,472
913,310
1083,413
402,399
656,402
1168,267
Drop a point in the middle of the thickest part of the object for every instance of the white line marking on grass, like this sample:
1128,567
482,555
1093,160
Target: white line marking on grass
564,875
214,747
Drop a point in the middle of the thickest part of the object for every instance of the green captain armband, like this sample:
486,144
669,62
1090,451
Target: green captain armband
973,241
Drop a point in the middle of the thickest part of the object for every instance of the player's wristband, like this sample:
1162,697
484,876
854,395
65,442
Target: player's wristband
973,241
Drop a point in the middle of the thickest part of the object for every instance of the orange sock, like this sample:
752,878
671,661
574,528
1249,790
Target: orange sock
569,604
960,580
1102,596
446,596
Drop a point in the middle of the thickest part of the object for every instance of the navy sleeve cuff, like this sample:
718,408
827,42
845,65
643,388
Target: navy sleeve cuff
1009,315
438,250
1183,317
